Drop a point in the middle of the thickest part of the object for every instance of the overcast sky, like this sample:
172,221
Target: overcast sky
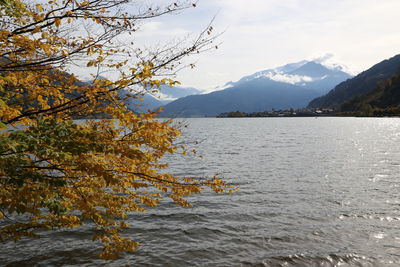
262,34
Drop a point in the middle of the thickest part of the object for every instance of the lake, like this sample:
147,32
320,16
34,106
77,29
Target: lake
313,192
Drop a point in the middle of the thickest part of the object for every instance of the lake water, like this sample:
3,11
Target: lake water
313,192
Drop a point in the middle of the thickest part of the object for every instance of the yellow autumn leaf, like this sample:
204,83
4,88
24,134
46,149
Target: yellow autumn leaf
57,173
57,22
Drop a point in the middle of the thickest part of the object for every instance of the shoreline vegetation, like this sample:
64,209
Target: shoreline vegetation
57,174
367,112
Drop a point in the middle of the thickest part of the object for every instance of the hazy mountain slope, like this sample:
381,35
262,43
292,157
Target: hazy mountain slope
134,104
361,84
178,92
256,95
152,101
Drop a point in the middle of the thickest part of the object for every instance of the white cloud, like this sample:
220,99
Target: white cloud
331,61
292,79
262,34
157,30
161,96
151,26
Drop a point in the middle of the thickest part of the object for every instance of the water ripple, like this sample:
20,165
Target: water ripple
312,193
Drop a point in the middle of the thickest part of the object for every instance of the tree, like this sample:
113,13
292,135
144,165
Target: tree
55,173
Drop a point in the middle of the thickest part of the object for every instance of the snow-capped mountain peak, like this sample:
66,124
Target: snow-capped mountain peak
329,61
300,73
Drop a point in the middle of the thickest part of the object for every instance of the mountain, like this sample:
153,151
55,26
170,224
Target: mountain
323,78
312,69
363,83
307,74
152,101
256,95
384,100
140,106
290,86
175,92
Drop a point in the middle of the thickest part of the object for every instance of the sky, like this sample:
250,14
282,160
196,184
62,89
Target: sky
263,34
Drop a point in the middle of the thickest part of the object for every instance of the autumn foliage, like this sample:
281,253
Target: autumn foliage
59,173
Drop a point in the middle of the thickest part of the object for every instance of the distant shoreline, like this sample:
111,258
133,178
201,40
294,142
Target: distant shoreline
273,117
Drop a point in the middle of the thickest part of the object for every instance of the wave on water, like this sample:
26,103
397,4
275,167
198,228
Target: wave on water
332,260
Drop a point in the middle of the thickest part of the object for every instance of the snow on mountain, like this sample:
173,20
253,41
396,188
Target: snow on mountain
290,67
287,78
168,94
300,73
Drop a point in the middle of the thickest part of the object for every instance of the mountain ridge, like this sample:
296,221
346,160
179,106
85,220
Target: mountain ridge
384,100
278,88
361,84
